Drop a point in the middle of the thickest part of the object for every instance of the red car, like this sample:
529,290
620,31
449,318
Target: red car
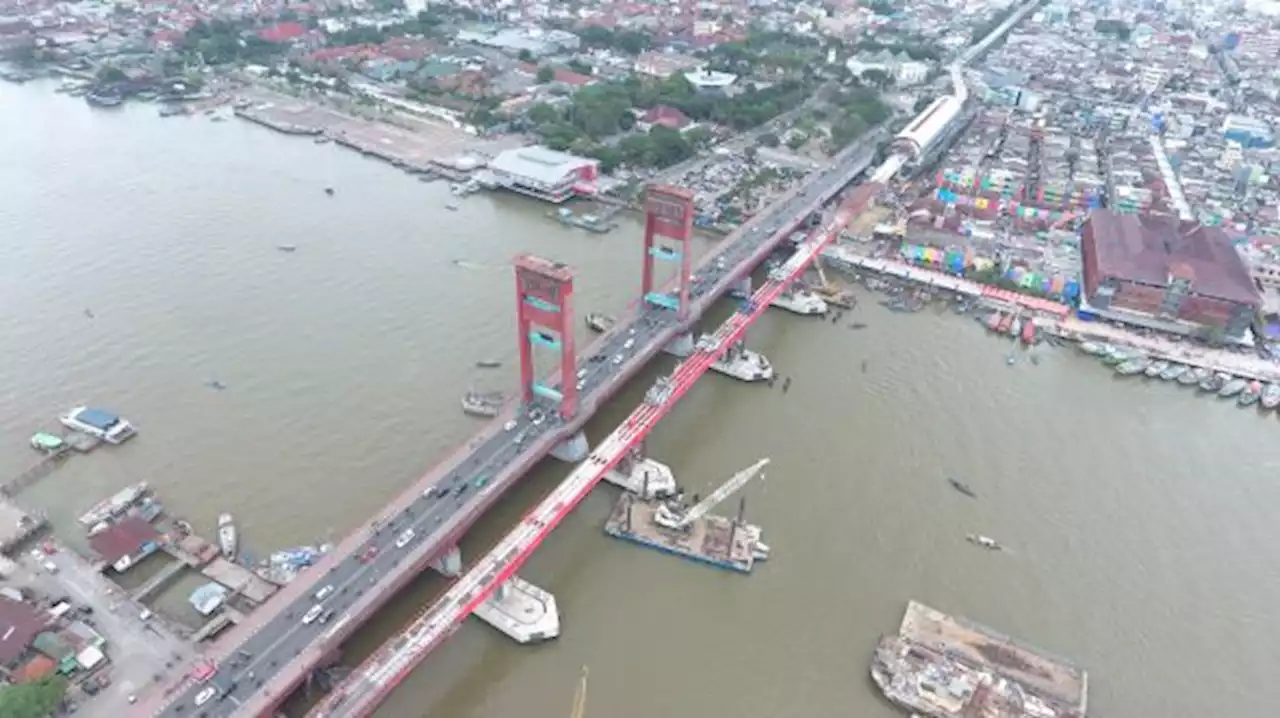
368,554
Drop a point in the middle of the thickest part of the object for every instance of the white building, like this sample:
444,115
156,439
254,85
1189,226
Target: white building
710,82
543,173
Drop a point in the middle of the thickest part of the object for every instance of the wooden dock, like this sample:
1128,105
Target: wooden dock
76,443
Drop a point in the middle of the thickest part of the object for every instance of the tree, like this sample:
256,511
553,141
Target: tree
545,75
543,113
876,78
109,74
32,700
769,139
581,68
526,56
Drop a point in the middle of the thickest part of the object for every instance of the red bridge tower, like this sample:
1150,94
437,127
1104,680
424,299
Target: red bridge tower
668,213
544,293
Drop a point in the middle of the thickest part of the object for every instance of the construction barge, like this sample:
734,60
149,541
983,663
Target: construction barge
693,533
942,666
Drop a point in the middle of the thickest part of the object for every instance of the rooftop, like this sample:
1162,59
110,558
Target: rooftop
1152,248
123,539
539,163
19,625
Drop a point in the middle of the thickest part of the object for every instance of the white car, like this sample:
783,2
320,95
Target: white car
324,592
628,343
312,614
617,358
203,696
509,426
582,372
404,538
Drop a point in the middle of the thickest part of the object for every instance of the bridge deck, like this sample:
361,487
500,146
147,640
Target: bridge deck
731,259
368,686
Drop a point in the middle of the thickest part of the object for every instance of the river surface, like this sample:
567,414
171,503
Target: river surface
1140,517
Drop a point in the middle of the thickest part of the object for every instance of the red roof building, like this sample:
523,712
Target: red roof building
20,623
1168,268
282,32
131,537
665,116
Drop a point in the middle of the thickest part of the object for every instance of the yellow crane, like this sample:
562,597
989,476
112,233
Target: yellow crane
580,698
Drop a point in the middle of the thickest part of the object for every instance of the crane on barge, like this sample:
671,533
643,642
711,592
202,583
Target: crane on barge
678,520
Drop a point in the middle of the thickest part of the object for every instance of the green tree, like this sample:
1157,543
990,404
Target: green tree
581,68
32,700
545,75
108,74
526,56
769,139
877,78
542,113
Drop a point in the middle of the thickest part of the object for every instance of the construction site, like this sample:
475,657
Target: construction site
693,532
943,666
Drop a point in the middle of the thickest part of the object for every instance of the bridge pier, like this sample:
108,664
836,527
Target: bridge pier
742,288
449,563
573,449
522,611
645,477
680,347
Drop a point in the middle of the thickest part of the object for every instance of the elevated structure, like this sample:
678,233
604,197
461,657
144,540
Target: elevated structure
668,214
544,292
366,687
371,565
918,136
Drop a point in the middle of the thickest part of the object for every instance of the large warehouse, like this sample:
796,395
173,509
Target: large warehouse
543,173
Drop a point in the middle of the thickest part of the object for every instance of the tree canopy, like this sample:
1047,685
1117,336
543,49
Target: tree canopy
32,700
625,41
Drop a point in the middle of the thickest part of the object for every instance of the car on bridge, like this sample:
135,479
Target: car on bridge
369,554
404,538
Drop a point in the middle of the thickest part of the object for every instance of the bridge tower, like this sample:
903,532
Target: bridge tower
544,293
668,215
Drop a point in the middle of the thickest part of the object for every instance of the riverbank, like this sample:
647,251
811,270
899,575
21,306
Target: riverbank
1058,319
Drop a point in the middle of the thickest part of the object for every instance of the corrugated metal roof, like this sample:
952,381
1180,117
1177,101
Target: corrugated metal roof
539,163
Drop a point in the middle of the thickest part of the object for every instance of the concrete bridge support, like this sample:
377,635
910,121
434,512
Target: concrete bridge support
643,476
573,449
681,346
449,563
742,289
521,610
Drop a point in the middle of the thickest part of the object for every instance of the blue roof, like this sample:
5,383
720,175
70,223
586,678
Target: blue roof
97,418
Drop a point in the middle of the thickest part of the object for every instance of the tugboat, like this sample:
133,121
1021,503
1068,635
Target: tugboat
228,542
1271,396
597,322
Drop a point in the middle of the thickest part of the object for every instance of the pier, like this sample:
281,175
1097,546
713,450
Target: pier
522,611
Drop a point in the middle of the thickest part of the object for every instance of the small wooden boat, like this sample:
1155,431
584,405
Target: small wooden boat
962,487
599,322
488,364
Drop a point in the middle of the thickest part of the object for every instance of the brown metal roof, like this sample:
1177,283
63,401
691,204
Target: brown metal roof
1150,248
124,538
19,624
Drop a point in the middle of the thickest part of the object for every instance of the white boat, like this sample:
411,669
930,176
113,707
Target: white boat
984,541
114,506
227,539
207,598
1156,368
484,404
96,422
800,302
743,364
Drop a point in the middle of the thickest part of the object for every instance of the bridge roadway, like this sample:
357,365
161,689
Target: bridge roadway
261,661
370,684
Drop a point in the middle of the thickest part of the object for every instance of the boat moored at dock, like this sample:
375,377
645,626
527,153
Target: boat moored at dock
1231,387
1137,365
115,505
1156,368
228,541
1174,372
1271,396
98,423
1251,394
